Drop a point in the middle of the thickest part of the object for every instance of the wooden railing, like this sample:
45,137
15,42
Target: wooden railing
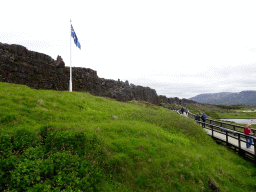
233,132
221,124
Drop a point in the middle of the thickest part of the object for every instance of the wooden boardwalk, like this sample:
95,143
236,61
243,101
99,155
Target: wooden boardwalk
232,138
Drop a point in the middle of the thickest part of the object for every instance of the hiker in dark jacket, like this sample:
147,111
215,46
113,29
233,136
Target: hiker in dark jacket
182,110
203,117
197,118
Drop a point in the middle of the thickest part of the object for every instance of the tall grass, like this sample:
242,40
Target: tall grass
52,141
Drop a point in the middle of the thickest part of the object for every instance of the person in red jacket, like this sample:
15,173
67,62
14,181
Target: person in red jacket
248,131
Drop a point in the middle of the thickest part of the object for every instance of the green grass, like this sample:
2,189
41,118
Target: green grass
52,141
238,115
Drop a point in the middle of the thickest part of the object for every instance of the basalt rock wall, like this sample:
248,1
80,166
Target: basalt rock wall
39,71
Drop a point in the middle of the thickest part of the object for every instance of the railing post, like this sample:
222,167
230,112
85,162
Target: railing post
240,151
254,150
239,143
226,137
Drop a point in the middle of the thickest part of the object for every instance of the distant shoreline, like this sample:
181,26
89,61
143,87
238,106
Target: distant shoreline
242,121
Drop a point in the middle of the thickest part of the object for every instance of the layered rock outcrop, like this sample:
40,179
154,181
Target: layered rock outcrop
37,70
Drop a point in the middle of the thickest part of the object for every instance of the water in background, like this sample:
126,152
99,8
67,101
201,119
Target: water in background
242,121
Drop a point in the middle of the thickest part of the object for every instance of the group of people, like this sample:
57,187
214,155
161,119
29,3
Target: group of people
203,117
184,110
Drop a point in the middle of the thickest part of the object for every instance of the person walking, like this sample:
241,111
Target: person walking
186,111
203,117
197,117
182,110
248,131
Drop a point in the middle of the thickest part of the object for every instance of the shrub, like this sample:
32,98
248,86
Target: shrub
68,160
5,119
23,139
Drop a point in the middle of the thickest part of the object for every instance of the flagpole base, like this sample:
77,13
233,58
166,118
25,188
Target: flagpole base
70,87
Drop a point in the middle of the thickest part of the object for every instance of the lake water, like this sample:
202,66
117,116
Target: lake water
242,121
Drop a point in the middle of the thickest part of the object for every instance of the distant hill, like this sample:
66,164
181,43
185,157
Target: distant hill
227,98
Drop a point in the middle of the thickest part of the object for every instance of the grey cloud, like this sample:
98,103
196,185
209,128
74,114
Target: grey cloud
233,79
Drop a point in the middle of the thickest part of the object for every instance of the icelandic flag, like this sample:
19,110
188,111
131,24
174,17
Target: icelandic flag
73,34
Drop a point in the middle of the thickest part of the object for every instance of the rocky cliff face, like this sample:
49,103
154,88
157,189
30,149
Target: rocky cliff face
39,71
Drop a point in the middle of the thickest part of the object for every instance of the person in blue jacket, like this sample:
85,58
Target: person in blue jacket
203,117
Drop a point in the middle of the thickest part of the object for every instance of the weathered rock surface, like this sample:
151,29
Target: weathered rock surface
39,71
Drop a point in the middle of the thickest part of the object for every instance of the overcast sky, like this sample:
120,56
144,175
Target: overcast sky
180,48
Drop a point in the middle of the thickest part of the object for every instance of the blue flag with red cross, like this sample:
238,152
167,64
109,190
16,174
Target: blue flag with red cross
73,34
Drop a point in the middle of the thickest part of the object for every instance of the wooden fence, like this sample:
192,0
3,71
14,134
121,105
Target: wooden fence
232,135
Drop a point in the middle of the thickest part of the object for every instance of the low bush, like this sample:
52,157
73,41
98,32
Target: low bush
64,160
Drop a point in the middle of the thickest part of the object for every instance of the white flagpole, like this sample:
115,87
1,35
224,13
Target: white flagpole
70,80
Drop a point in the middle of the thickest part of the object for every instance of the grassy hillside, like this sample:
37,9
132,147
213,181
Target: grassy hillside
62,141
